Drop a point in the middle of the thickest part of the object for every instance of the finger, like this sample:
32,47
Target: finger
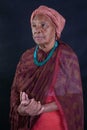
21,96
36,106
32,100
38,101
40,111
26,95
33,103
39,106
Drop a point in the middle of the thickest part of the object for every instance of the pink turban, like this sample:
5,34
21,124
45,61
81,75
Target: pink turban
56,18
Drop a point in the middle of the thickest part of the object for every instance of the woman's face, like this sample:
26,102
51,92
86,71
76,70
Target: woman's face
43,30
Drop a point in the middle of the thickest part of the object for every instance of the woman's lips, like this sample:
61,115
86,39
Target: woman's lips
38,38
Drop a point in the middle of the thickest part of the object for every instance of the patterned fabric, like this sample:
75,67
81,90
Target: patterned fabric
62,74
56,18
68,89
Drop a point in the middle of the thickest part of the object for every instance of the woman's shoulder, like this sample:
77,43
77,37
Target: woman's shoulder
66,49
28,53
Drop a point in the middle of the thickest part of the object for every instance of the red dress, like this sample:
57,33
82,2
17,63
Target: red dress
49,120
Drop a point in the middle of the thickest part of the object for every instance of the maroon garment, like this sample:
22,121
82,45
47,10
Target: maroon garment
62,74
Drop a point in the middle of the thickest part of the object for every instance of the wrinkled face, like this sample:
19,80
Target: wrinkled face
43,29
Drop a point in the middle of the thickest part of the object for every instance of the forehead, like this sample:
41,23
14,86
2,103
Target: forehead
42,17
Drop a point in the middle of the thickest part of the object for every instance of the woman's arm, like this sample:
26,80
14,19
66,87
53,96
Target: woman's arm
32,107
50,107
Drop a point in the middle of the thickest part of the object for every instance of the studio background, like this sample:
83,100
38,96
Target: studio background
16,37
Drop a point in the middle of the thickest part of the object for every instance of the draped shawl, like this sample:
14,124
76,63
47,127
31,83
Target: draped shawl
62,74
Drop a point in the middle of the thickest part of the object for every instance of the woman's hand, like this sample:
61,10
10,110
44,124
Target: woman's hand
34,108
24,101
29,106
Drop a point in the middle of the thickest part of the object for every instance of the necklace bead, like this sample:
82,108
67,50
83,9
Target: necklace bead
48,57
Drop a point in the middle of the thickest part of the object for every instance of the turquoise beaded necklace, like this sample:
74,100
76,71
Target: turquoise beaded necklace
48,57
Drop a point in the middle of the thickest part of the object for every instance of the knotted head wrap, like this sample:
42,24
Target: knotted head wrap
56,17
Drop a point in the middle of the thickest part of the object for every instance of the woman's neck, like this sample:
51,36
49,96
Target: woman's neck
47,47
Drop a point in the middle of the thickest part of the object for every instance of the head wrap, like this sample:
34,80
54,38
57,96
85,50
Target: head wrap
56,18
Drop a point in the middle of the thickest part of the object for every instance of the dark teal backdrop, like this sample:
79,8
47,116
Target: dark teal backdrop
16,37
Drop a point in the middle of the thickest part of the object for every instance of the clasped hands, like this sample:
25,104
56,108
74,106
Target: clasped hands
29,106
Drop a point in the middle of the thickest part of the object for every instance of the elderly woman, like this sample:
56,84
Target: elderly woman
47,92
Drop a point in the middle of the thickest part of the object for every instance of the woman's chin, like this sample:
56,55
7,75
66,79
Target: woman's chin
39,43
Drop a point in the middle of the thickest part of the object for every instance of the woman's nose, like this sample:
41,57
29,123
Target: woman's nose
38,30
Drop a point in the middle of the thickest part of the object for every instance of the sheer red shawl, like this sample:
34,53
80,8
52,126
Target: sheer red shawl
62,73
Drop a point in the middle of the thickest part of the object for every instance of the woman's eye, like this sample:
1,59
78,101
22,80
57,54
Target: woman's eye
43,24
